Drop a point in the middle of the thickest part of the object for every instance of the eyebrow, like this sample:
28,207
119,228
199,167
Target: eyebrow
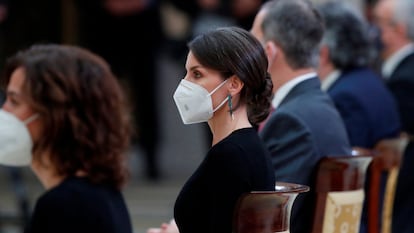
195,67
12,93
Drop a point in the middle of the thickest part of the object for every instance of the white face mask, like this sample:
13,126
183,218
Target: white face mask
194,102
15,140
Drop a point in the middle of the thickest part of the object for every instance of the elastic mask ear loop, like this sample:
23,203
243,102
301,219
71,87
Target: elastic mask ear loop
31,118
220,105
215,89
229,98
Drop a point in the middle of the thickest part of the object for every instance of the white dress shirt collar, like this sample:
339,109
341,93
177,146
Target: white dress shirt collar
284,90
392,62
330,80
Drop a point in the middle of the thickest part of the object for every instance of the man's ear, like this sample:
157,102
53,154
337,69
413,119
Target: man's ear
401,29
323,55
234,85
272,51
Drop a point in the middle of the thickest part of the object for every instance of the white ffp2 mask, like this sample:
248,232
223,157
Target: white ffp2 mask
15,140
194,102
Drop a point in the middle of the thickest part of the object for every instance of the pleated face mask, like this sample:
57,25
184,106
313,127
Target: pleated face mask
15,140
194,102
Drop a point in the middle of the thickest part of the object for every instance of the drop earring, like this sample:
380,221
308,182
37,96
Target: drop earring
230,106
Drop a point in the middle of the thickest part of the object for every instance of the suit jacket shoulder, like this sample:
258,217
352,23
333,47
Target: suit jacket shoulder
404,70
306,126
401,84
362,99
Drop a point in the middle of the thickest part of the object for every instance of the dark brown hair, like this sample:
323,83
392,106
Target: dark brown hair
235,51
83,111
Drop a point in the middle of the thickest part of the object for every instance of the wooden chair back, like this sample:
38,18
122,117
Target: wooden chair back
387,158
339,191
266,211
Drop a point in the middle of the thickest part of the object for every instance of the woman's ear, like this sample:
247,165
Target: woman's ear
234,85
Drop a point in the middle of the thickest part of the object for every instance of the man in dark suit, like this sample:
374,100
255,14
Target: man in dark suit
396,22
305,125
358,93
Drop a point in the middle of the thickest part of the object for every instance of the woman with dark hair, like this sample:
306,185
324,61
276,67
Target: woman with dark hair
226,85
66,117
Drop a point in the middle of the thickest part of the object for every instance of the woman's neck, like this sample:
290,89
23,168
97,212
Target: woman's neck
223,124
46,173
49,179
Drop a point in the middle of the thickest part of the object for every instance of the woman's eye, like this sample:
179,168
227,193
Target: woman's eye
12,101
197,74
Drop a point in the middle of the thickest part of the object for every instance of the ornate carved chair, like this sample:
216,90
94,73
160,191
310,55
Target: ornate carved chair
387,158
266,211
340,193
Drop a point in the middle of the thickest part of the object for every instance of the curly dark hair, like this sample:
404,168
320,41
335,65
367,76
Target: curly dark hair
84,114
235,51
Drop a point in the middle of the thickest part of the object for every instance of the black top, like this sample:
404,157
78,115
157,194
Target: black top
76,205
235,165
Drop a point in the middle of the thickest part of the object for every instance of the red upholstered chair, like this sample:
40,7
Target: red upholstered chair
340,194
266,211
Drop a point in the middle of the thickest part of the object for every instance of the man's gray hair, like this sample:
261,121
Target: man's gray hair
296,27
346,35
404,13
